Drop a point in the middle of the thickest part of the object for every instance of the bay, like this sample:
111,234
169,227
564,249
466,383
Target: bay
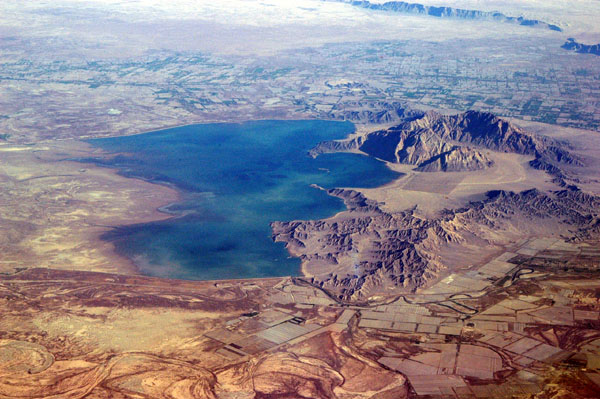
234,179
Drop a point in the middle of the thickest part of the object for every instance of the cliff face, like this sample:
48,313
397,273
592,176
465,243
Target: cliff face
365,250
455,160
450,12
481,129
370,112
435,142
444,143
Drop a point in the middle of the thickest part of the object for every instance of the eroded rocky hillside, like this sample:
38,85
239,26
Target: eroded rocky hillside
367,250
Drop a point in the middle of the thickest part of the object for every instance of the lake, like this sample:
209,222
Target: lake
234,179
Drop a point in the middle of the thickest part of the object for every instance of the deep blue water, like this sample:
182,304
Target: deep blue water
235,179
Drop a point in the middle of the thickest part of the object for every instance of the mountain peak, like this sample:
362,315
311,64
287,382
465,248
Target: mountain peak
433,137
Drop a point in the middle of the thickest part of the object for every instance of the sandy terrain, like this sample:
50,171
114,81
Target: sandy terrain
521,322
412,297
54,210
434,191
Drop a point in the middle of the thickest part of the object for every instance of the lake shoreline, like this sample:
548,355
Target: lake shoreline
283,180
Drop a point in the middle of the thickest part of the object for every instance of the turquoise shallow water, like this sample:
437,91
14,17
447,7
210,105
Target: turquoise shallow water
235,179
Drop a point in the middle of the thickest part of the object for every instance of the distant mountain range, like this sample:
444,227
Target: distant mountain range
449,12
572,45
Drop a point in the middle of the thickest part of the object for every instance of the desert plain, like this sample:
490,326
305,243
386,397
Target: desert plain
474,274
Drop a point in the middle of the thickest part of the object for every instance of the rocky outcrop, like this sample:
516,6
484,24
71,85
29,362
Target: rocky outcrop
326,147
354,200
572,45
482,129
449,12
389,254
373,112
435,142
364,112
435,139
365,250
455,160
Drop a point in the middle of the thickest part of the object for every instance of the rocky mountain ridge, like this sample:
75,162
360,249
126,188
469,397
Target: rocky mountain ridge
374,112
482,129
370,250
366,250
449,12
572,45
455,160
436,142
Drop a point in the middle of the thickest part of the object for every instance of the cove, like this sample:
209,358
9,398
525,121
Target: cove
234,180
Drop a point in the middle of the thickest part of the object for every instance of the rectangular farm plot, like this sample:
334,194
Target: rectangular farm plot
408,367
496,268
550,254
525,318
345,317
437,385
498,309
406,327
479,362
523,345
469,284
527,251
564,246
586,315
369,314
506,390
517,304
541,243
447,362
584,284
253,344
407,317
416,309
380,324
480,373
230,353
545,352
442,357
449,330
286,331
282,298
427,328
491,325
523,361
505,257
224,335
500,340
272,317
399,321
436,321
554,315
